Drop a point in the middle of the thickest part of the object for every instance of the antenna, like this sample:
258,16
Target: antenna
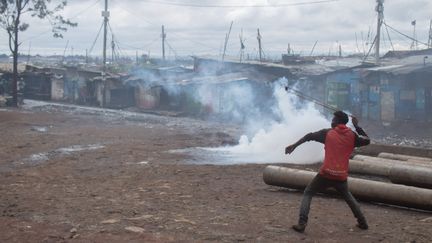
242,46
226,41
163,35
259,45
313,48
28,54
430,35
64,52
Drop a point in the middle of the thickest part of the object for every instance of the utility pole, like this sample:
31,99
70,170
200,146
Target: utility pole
414,44
226,40
430,35
259,45
28,54
313,48
64,51
340,50
163,35
380,9
242,46
105,15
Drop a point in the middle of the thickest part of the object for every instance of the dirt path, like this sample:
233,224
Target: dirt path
90,177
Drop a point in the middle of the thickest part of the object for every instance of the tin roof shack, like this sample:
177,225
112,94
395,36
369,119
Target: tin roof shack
230,96
344,87
408,53
148,83
70,83
5,89
36,83
261,70
400,89
78,85
112,92
306,76
57,88
147,96
5,83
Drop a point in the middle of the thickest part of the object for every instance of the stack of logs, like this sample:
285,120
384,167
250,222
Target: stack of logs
410,177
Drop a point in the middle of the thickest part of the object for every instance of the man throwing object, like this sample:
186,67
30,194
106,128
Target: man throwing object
339,142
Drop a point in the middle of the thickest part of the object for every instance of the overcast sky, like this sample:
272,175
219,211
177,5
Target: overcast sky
136,25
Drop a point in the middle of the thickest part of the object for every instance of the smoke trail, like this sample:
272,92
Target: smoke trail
295,120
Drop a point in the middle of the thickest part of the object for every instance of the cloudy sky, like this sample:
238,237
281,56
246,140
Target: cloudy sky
197,27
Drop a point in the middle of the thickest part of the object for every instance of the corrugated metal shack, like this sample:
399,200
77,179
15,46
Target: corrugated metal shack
307,76
37,83
400,89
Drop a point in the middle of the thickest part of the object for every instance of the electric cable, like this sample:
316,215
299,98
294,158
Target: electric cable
237,6
388,34
73,17
407,36
97,36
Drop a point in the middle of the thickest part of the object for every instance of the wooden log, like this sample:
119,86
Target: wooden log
404,157
368,190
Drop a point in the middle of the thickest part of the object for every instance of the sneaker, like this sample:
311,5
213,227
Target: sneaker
299,227
362,226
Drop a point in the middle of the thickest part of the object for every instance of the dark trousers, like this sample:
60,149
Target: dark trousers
320,183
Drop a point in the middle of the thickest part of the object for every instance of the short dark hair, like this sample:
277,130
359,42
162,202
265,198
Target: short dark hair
341,117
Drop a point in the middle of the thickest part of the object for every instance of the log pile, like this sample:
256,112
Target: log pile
410,179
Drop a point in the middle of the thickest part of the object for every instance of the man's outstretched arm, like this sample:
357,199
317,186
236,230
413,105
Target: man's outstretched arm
313,136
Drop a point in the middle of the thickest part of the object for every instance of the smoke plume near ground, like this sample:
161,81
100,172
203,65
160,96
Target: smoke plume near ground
295,119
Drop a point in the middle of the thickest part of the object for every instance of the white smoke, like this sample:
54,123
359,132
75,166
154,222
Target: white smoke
296,119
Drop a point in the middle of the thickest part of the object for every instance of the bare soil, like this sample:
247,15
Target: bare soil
121,184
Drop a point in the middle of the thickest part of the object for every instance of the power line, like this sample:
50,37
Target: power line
388,34
238,6
172,49
171,33
407,36
85,10
97,36
144,46
73,17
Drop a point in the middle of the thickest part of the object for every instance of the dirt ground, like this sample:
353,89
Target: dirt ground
69,176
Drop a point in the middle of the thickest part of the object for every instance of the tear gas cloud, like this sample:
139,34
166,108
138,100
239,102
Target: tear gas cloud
270,123
294,120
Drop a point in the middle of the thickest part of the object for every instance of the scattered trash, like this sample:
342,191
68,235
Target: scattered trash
78,148
135,229
39,128
41,157
147,216
110,221
38,157
183,220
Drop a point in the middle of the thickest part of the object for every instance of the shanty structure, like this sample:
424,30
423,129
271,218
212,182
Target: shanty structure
400,89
